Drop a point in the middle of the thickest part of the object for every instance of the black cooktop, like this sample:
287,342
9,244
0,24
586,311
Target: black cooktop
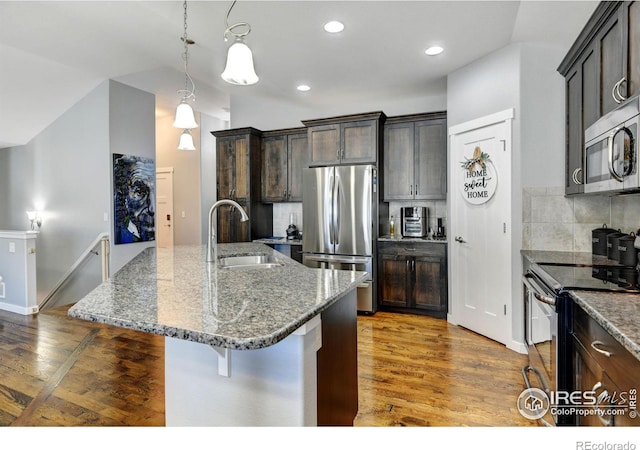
598,277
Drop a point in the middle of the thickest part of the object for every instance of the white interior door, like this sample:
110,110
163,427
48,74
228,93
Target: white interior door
164,207
479,229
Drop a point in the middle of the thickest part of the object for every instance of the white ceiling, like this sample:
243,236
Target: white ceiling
52,53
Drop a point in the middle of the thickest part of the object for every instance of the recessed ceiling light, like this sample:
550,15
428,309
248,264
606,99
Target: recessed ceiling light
435,50
333,27
303,88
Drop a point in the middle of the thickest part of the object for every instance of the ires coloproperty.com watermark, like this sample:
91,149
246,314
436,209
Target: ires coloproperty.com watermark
534,403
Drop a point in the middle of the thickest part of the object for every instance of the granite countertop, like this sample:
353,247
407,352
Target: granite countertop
616,312
279,240
174,292
411,239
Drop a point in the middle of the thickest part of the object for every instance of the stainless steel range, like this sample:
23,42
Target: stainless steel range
548,313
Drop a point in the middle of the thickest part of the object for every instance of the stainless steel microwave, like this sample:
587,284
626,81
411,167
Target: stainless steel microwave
611,151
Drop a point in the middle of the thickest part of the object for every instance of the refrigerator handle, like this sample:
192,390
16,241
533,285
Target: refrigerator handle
332,212
336,212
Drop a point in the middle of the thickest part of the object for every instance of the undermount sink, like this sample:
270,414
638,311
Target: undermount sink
249,262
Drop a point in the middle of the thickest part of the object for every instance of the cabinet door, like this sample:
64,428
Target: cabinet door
632,50
430,160
274,169
398,161
611,61
225,168
229,226
298,155
324,142
393,279
359,142
426,290
241,169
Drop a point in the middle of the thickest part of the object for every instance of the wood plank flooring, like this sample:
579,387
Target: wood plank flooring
414,371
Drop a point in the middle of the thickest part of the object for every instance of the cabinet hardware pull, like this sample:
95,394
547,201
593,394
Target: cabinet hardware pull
413,265
617,87
284,192
338,154
614,89
411,189
574,175
416,189
594,345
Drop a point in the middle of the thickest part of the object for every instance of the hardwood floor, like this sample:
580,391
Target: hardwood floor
414,371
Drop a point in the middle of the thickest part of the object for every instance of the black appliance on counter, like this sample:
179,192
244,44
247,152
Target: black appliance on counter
549,315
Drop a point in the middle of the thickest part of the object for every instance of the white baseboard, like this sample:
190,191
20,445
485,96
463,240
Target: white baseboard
25,311
519,347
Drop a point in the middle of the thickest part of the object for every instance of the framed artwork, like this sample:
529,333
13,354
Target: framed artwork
133,199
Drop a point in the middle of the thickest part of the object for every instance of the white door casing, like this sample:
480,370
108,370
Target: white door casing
480,226
164,207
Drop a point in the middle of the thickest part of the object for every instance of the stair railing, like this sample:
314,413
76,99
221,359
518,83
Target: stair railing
103,241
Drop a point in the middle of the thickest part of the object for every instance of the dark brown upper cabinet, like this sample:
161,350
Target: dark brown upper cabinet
238,177
284,154
352,139
415,157
601,70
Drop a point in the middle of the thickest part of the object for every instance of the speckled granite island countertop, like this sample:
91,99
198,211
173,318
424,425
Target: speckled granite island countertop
176,293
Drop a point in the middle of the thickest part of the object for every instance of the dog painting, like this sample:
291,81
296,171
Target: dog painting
134,199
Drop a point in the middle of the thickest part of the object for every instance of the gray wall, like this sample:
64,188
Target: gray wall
186,179
132,131
523,77
67,170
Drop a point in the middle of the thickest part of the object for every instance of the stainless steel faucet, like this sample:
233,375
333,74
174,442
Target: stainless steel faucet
212,247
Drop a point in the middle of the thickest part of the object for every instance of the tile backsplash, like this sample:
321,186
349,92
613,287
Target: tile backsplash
281,212
552,221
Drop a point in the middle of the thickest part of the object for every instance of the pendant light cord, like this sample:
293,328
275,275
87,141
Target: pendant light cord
186,92
229,29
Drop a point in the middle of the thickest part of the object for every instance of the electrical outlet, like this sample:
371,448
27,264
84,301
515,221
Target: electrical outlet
184,214
1,289
12,247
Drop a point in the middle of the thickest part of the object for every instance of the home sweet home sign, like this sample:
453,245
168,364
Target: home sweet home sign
480,179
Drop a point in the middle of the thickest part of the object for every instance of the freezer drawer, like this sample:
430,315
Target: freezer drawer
355,263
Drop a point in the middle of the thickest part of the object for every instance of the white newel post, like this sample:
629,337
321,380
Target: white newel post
18,272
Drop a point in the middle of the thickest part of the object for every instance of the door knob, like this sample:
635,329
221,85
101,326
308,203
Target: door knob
459,239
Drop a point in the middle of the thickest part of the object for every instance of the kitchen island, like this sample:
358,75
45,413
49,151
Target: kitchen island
242,346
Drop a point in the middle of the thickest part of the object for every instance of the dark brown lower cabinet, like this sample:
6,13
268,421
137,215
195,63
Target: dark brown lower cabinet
412,277
607,370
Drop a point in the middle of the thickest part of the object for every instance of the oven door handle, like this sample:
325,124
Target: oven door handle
532,284
610,139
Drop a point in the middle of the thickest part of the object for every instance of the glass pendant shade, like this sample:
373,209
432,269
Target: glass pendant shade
186,141
239,69
184,116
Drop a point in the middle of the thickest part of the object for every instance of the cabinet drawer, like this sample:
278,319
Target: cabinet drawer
412,248
619,363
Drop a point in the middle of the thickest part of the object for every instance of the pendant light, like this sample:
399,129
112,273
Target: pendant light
186,141
184,113
239,69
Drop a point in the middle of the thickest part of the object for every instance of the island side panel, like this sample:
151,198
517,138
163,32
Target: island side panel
338,363
272,386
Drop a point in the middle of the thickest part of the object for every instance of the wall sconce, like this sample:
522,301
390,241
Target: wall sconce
35,219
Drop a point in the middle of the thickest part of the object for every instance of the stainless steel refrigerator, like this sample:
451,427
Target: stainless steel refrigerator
340,222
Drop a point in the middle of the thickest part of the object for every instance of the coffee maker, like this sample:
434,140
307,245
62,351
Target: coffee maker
414,220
